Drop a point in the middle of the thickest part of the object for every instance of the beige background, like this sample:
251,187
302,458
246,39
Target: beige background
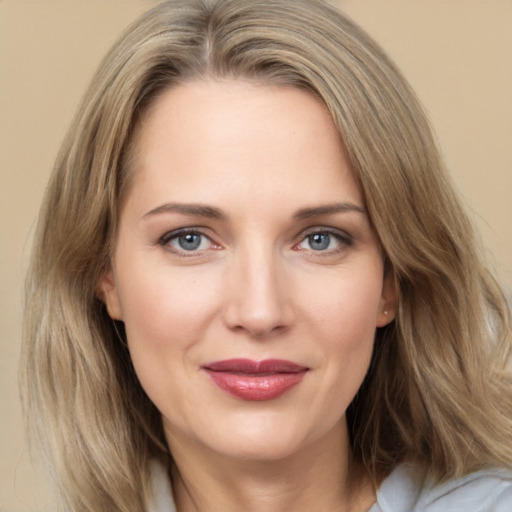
456,53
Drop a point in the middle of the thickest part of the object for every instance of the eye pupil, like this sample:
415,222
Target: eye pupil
319,241
190,241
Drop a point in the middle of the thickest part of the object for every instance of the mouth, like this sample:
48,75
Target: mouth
255,380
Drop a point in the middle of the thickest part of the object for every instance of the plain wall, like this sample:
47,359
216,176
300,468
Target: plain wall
456,53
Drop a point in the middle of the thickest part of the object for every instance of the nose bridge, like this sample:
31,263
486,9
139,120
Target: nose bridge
259,299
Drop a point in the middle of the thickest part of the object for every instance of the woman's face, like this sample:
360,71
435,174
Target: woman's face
245,270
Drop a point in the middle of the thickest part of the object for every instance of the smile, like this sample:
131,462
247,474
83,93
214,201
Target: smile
255,380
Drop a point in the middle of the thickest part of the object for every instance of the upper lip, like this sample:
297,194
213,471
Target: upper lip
248,366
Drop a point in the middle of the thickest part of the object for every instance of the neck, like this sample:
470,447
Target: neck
322,477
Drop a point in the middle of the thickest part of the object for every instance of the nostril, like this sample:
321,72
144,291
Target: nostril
259,322
259,330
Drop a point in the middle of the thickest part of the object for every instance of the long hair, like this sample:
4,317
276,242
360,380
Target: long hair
438,391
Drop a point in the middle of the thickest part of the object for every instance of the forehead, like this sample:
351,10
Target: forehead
210,137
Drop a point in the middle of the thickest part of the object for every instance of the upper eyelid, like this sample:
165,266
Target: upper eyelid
174,233
325,229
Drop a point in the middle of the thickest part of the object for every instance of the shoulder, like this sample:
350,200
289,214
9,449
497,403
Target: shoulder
408,489
483,491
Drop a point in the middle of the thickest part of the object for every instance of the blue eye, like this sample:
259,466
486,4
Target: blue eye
325,241
319,241
188,241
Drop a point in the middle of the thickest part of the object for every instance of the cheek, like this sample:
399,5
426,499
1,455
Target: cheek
345,304
160,302
166,313
344,322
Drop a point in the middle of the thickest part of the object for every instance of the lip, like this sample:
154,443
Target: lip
255,380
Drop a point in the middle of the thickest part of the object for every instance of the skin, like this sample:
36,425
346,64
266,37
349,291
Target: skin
258,286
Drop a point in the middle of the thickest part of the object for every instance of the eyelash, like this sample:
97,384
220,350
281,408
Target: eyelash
165,241
344,239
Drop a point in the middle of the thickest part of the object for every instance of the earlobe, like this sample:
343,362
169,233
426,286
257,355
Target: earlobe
389,300
107,292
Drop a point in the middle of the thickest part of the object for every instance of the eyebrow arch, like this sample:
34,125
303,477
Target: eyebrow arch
192,209
305,213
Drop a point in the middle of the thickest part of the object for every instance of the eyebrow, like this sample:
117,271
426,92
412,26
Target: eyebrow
203,210
328,209
195,210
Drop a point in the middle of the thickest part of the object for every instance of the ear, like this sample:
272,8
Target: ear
107,292
388,301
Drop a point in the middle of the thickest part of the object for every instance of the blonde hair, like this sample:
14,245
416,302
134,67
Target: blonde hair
438,390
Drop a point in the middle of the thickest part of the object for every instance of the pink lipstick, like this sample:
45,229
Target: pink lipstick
255,380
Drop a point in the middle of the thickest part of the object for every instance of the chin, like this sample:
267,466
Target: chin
264,438
259,450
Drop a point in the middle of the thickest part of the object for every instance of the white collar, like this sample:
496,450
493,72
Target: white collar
162,491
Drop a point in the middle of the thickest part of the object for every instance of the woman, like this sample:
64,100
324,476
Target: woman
253,283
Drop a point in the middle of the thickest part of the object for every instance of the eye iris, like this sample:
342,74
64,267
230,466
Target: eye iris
319,241
189,242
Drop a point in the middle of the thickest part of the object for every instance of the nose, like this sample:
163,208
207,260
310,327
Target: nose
259,295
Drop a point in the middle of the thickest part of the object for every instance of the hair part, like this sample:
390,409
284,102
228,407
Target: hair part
438,390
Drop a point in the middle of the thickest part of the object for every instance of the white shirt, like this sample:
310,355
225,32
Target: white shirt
406,489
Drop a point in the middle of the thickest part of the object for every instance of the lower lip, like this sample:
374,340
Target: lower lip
255,387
